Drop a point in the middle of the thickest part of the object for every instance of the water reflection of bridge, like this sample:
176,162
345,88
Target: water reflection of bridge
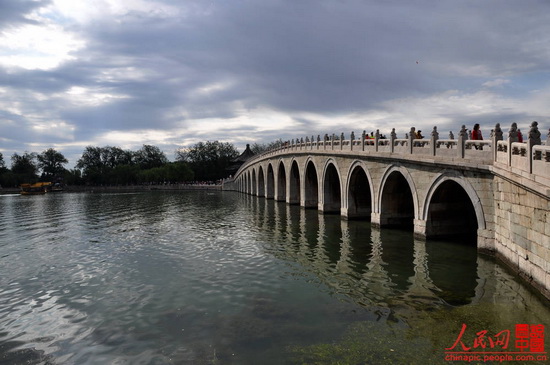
378,267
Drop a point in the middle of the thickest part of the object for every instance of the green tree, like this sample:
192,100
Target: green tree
51,163
73,177
124,174
148,157
5,178
116,156
180,171
24,167
209,160
91,164
258,148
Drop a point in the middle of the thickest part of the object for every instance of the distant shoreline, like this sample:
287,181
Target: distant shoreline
129,188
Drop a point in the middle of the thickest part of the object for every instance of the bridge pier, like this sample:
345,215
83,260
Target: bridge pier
420,228
375,219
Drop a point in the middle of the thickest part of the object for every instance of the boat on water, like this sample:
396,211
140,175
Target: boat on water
36,188
41,187
57,187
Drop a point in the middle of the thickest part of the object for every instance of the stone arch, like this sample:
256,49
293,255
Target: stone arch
261,181
359,192
254,182
294,183
270,186
280,190
332,188
397,198
452,207
311,185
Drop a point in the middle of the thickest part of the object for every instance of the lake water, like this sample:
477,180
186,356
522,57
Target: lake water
211,277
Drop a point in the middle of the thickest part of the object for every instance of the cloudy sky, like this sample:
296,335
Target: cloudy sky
172,73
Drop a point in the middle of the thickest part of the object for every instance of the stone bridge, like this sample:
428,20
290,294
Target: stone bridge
496,191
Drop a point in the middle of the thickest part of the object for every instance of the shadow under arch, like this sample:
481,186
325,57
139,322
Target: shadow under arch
261,182
254,182
247,182
294,184
359,192
453,209
332,192
453,214
311,186
398,200
281,182
270,186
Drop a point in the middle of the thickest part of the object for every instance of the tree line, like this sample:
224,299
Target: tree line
204,161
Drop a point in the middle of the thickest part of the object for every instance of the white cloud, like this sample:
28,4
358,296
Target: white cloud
37,46
84,97
85,12
176,73
496,83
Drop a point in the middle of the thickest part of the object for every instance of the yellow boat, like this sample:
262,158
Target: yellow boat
36,188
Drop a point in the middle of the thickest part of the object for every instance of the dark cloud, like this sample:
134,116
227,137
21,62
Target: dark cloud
201,60
16,12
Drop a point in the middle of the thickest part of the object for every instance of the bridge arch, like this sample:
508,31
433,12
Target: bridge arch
294,183
261,181
270,182
452,207
280,187
254,182
311,185
359,192
332,188
397,198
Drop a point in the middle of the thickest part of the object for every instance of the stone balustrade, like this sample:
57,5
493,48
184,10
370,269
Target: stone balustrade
531,156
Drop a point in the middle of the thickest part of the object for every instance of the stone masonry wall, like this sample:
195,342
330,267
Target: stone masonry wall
522,232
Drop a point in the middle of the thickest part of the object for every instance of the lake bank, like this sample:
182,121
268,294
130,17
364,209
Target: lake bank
129,188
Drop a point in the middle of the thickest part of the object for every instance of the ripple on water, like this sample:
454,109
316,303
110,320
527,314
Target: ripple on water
199,278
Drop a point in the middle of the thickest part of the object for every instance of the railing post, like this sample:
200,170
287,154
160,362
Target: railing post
351,139
311,142
533,140
512,137
496,136
412,135
341,141
451,137
376,139
332,141
462,136
364,135
393,137
433,142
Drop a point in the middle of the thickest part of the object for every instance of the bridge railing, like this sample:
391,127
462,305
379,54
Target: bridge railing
528,157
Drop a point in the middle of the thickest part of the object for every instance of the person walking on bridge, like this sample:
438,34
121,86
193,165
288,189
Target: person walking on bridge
476,135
